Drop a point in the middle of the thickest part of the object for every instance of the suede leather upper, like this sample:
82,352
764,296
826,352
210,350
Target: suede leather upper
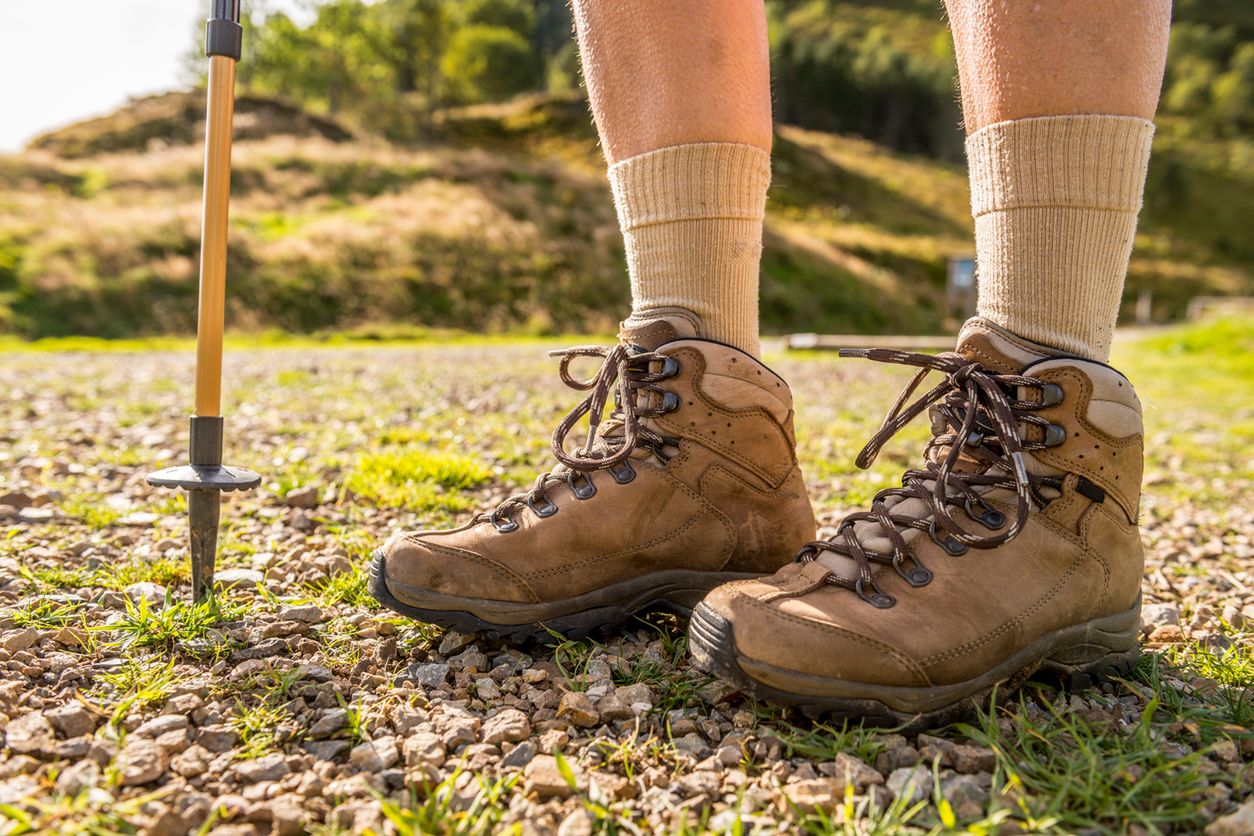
1075,560
730,498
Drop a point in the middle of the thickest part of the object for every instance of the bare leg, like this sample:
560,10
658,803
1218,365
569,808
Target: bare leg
1056,97
663,73
681,97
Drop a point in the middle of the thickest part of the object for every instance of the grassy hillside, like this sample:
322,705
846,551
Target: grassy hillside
505,223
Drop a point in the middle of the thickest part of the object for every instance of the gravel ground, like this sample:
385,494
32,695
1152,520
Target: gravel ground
292,704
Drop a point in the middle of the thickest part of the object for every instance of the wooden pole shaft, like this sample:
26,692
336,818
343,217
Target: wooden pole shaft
213,236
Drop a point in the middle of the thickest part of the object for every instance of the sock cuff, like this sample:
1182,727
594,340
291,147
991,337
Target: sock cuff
705,180
1083,161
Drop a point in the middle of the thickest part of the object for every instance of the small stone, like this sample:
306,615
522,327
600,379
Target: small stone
72,720
306,497
1167,634
77,777
454,641
191,763
520,755
287,816
270,767
826,794
966,794
160,725
850,770
375,755
578,709
487,689
16,499
470,659
430,675
611,708
424,749
971,759
138,519
544,779
914,783
30,734
141,761
1239,823
693,744
238,577
331,721
1225,750
635,695
510,725
1154,616
326,750
18,640
216,738
307,614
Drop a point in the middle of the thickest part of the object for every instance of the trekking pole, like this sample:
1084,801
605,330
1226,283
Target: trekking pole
205,477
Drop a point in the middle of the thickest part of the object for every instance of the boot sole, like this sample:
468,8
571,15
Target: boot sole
1082,655
600,610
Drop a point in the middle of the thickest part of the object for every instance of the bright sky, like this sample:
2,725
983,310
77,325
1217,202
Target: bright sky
63,60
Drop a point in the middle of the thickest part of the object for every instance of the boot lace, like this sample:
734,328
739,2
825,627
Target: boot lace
977,445
633,376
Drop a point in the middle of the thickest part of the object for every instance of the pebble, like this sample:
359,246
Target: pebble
913,783
141,761
238,577
375,755
453,641
30,734
71,720
1238,823
16,640
270,767
543,778
306,497
511,725
306,614
578,708
331,721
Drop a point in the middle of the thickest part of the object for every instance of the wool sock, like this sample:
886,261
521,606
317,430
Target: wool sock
1055,201
691,217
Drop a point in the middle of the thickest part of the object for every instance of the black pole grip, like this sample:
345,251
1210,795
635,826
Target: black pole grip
225,10
223,33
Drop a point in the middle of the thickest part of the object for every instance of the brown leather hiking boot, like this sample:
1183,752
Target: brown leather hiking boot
1014,548
691,482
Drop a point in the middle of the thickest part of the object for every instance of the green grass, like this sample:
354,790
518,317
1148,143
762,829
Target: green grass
177,624
1090,775
437,810
417,479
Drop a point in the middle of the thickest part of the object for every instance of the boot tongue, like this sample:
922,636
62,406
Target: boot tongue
996,349
668,326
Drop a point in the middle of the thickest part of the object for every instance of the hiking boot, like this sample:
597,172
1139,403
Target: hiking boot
692,481
1014,548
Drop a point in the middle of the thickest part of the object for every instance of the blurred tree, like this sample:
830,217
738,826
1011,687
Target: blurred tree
490,63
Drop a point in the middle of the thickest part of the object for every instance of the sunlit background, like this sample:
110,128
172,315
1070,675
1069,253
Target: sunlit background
67,59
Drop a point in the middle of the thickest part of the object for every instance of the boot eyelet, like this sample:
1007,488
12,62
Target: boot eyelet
548,509
504,527
670,402
877,598
992,519
1055,435
623,473
670,368
951,546
584,489
1051,394
975,438
917,577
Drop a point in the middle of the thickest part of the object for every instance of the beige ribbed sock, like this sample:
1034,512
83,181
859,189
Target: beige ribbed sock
1055,201
691,217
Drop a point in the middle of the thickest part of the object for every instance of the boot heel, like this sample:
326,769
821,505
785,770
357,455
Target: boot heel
1099,651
